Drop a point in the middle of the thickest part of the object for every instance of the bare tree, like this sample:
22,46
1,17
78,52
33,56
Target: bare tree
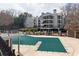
7,18
71,13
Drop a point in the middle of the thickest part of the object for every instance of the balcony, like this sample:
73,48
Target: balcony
45,28
48,17
47,24
47,21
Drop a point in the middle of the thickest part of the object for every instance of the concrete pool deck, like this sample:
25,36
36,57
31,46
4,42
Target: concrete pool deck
71,45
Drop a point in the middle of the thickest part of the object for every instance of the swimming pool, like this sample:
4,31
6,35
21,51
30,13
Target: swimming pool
48,44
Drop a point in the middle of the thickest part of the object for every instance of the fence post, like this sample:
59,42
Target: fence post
59,33
67,32
52,32
75,34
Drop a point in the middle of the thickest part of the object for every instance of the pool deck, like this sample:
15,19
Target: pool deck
71,45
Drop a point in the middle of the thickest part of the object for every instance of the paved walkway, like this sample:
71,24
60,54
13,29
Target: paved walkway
71,45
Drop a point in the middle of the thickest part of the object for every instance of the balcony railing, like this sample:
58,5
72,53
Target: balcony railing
47,24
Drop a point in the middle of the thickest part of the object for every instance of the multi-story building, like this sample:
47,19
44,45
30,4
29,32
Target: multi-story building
50,21
46,21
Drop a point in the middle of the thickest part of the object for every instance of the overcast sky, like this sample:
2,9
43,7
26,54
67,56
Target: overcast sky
34,8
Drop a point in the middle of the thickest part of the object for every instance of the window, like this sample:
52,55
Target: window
59,26
59,17
48,21
48,26
38,20
34,21
59,21
51,26
48,17
38,23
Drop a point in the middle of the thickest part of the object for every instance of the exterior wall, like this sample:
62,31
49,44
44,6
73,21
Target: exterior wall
42,24
55,21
